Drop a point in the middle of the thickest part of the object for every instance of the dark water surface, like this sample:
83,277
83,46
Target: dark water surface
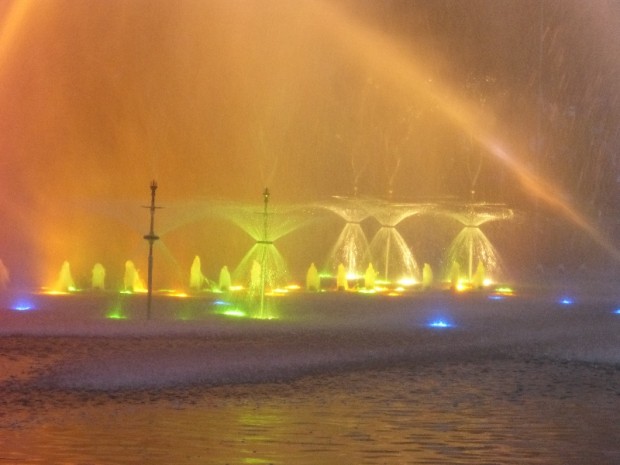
504,410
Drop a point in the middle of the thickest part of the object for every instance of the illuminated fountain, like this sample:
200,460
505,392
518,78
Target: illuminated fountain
132,280
224,281
388,249
166,123
352,246
265,227
370,277
471,251
65,282
427,276
98,277
313,280
196,278
263,268
342,283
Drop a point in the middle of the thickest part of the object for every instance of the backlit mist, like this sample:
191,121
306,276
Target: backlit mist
218,99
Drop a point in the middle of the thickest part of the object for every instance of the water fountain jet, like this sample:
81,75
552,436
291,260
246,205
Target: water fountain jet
352,246
313,280
388,248
132,280
65,282
471,245
98,277
196,278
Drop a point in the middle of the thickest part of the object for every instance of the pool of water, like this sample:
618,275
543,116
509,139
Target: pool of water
494,410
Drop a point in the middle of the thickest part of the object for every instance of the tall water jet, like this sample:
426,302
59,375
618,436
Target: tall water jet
65,282
4,276
351,247
313,279
388,249
196,278
471,245
98,277
265,227
131,280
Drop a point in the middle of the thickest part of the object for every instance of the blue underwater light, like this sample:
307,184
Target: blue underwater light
566,301
440,323
23,306
617,311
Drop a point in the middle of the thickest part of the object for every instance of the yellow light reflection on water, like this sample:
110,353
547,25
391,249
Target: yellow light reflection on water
504,290
278,291
367,291
407,282
179,294
55,292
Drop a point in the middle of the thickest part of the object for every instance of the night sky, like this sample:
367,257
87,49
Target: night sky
415,100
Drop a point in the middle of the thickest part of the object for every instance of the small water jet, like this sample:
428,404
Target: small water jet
65,282
196,278
427,276
370,277
98,277
224,281
478,278
342,282
132,281
313,279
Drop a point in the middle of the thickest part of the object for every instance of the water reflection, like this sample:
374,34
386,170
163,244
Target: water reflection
501,412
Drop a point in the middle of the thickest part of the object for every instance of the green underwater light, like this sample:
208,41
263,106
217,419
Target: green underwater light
233,312
116,313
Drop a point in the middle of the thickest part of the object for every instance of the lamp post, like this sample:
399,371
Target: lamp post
265,242
151,237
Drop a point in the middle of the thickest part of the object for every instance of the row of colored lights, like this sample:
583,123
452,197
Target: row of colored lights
499,293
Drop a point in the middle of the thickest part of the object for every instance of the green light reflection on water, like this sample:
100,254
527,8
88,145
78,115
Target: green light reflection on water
116,313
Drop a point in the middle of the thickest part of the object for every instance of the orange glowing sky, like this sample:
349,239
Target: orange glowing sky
218,99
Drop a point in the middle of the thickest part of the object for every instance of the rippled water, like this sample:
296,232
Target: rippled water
493,411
